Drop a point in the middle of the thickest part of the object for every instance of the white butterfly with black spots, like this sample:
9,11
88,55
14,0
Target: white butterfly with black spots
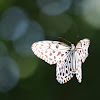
69,59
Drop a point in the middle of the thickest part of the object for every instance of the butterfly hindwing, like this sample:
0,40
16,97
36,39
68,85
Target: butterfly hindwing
64,69
78,70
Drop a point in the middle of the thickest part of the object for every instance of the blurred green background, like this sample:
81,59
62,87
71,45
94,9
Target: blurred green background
23,76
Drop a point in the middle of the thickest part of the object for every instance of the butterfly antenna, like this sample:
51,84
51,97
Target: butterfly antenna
64,40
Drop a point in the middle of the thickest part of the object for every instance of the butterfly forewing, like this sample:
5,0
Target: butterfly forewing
50,51
82,49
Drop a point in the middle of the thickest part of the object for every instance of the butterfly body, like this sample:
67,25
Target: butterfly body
68,58
72,47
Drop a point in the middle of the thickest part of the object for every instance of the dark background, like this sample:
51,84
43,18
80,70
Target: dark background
23,76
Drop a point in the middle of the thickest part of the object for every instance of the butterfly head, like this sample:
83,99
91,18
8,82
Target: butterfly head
72,47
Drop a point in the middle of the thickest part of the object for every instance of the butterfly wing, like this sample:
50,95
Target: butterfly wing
81,53
78,70
50,51
64,70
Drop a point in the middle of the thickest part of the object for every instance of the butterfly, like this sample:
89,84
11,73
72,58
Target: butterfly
68,59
